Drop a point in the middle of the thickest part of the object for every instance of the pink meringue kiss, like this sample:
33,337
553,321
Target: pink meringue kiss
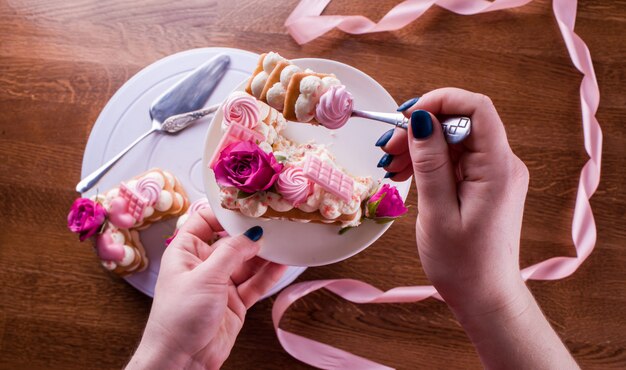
294,186
149,188
242,109
198,205
334,108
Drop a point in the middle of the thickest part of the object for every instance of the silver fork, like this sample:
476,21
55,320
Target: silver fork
455,129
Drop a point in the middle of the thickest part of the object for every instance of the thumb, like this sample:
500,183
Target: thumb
432,166
229,254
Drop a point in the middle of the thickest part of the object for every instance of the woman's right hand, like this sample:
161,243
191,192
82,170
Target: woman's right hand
470,205
470,201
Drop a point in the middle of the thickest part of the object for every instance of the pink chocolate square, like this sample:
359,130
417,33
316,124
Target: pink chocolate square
328,177
235,133
136,203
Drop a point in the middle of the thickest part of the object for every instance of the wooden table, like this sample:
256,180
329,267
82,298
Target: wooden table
60,62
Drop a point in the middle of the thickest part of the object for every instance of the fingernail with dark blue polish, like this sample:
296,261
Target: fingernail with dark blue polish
383,140
254,233
407,104
421,124
385,160
389,175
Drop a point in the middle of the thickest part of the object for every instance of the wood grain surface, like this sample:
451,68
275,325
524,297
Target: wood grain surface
60,62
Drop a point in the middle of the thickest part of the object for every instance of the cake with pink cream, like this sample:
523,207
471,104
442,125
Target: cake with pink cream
113,218
263,174
301,95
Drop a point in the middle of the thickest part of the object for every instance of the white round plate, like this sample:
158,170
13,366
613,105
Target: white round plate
309,244
126,116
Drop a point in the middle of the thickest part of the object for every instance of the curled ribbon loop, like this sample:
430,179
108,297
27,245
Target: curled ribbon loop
305,24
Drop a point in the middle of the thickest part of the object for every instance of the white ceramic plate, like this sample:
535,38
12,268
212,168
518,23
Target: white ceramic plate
126,116
308,244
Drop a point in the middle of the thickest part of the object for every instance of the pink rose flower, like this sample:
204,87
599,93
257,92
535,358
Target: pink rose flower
386,203
85,218
247,167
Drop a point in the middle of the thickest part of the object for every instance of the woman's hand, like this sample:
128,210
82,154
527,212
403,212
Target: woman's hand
471,200
201,296
470,206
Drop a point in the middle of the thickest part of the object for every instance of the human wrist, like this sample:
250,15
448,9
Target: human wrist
516,335
149,357
504,303
155,352
479,300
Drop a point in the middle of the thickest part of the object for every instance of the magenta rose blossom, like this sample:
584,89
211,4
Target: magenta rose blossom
247,167
386,203
85,218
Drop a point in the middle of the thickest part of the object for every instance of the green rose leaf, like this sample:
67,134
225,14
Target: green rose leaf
280,158
373,206
384,220
345,229
243,195
101,230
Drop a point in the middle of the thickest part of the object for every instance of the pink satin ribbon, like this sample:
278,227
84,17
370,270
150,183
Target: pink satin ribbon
306,24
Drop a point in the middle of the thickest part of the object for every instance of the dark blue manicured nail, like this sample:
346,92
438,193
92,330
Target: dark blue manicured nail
254,233
385,160
407,104
383,140
421,124
389,175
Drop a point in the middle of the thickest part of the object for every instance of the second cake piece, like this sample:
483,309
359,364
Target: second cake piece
301,95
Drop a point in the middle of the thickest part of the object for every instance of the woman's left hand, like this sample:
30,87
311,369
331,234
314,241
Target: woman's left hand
201,296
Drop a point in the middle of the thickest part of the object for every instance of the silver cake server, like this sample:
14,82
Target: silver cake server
188,94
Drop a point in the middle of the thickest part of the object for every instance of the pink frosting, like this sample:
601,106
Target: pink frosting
128,207
198,205
294,186
119,215
334,108
149,188
107,249
242,109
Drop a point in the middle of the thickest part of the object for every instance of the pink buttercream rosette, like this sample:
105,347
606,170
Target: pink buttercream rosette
335,107
241,109
294,186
